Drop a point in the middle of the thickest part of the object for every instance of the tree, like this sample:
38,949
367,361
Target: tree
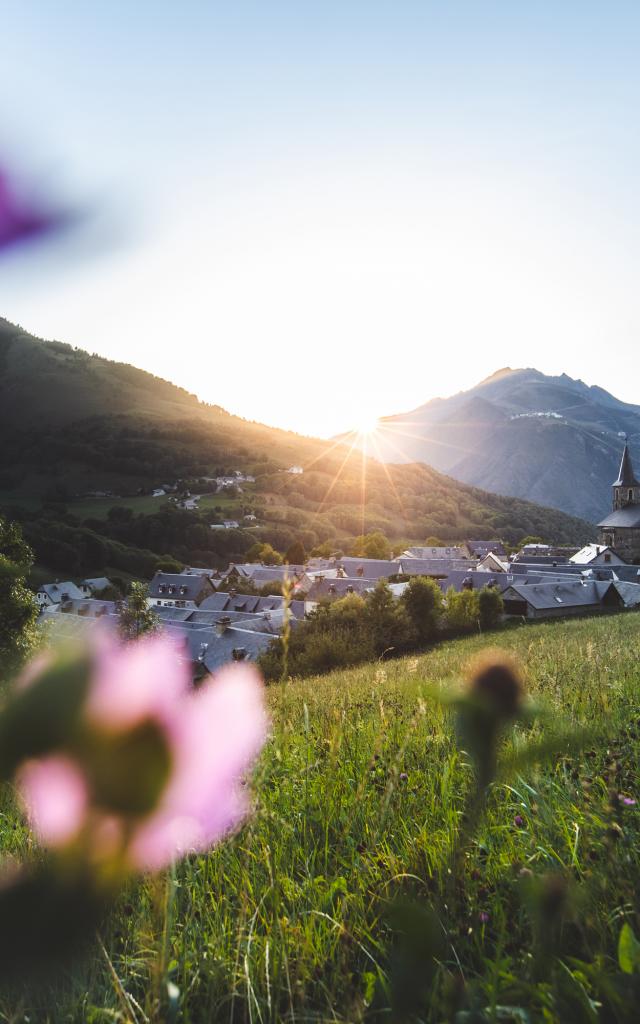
423,601
371,545
18,609
490,607
136,617
462,613
296,554
387,621
434,542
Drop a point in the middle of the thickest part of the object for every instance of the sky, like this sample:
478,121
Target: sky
314,214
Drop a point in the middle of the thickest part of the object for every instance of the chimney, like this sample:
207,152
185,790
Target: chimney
222,625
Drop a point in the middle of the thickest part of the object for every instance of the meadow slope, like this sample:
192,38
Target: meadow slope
358,797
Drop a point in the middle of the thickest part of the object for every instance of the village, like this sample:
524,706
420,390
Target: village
218,616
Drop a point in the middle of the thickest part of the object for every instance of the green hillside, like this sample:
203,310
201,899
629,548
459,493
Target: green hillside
74,423
359,796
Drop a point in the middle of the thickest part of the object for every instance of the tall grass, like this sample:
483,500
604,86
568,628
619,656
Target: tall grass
359,797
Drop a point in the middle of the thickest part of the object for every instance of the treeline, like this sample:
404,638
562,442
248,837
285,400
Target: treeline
357,629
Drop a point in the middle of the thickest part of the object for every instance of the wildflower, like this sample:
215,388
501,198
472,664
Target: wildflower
628,801
403,777
493,699
519,821
145,770
495,680
483,917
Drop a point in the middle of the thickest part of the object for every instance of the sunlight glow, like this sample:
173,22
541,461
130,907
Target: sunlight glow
367,426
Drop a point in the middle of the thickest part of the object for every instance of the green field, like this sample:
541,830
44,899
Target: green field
360,794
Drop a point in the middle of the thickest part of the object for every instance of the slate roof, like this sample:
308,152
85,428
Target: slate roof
92,607
480,548
567,594
626,476
433,566
220,648
453,551
97,583
372,568
244,603
186,587
629,517
339,587
629,592
57,592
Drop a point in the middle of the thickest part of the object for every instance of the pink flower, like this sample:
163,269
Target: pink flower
206,740
218,734
55,794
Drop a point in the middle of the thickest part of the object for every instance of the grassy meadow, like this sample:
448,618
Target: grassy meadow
359,797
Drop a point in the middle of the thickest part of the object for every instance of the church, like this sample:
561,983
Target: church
621,529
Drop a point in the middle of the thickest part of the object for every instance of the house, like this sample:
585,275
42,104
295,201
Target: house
192,570
89,607
560,599
158,492
231,524
367,568
596,554
328,589
57,593
180,590
455,551
93,586
481,548
492,562
621,529
295,470
434,566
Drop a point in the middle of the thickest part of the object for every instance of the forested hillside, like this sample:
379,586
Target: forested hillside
73,424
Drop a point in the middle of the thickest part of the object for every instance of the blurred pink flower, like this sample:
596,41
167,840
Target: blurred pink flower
55,794
21,219
212,737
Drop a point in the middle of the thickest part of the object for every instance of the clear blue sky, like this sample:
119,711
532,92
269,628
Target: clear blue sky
313,213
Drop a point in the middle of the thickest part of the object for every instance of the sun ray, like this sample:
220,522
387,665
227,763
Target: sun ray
335,479
389,477
327,451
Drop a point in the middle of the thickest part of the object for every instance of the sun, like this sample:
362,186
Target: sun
367,426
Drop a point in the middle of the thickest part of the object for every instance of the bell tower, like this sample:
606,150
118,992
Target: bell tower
626,489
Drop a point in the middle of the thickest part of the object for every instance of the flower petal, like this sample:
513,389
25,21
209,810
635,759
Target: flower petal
55,796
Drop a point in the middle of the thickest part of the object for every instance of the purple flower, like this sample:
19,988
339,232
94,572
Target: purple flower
21,219
403,777
139,702
519,821
483,916
628,801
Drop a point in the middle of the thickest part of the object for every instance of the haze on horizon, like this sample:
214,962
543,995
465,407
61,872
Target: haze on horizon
317,214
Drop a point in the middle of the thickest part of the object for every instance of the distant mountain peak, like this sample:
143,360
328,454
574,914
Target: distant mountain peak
506,371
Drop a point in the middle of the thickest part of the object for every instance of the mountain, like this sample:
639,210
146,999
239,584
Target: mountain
73,423
551,440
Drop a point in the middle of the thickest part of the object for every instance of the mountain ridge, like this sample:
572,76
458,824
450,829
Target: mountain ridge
549,439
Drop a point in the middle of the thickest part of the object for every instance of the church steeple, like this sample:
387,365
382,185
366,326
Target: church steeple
625,476
626,489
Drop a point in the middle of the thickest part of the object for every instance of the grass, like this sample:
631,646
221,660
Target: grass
359,796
